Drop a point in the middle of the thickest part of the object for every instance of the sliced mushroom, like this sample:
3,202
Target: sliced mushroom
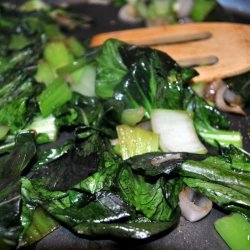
183,7
232,98
128,13
224,98
222,105
193,205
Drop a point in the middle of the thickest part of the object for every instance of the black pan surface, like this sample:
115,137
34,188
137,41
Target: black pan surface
186,235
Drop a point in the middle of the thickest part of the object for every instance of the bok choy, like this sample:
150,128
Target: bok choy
108,174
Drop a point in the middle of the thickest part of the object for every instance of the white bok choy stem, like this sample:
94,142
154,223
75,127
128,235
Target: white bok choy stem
176,130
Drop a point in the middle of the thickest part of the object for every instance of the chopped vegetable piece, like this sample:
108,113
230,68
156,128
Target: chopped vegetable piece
76,47
132,116
33,5
176,130
3,131
201,9
135,141
235,230
18,42
83,80
111,68
83,182
45,74
45,128
54,96
57,54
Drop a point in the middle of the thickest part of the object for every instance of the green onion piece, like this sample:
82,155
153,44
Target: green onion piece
76,47
34,5
57,54
72,67
201,9
52,31
83,80
136,141
132,116
45,128
18,42
44,73
54,96
3,132
235,230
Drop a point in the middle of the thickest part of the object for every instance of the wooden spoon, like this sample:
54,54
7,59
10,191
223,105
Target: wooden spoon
216,50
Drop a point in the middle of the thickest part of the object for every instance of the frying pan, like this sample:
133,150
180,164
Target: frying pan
186,235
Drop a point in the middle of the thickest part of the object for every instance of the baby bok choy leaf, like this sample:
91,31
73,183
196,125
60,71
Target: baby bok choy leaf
57,185
211,125
110,68
10,188
86,186
153,80
212,175
36,224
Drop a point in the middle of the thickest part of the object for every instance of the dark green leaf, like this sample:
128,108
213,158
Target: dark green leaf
131,230
110,68
10,190
223,196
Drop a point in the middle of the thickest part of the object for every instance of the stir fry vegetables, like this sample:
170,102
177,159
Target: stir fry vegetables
110,172
158,12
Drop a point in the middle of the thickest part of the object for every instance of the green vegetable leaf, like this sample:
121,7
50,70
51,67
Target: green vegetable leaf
10,187
147,197
223,196
110,68
18,42
143,229
54,96
36,224
201,9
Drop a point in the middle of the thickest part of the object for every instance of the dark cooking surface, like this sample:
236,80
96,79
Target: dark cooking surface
194,236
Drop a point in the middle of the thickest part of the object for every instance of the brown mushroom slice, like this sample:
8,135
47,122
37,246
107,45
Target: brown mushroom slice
193,205
222,105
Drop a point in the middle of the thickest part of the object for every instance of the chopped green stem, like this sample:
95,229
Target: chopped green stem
54,96
235,230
